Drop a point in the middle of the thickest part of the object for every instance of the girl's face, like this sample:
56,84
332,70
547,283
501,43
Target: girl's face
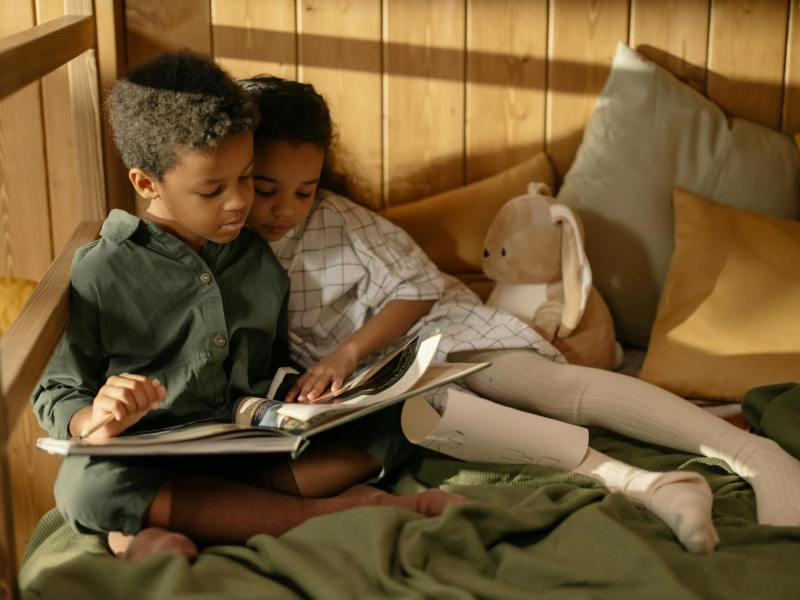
285,176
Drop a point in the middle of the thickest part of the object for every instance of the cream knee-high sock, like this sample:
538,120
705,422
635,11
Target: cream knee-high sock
586,396
682,500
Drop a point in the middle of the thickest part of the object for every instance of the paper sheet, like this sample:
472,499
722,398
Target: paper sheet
479,430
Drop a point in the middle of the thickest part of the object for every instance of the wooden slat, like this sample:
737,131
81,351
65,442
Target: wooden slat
747,42
582,40
28,55
112,64
24,351
7,559
791,91
423,150
59,133
506,80
674,34
252,37
155,26
340,32
25,246
84,96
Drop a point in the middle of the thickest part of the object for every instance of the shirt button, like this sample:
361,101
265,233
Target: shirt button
205,278
220,341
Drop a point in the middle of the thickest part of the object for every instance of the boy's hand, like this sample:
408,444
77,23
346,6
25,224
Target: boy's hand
330,371
128,397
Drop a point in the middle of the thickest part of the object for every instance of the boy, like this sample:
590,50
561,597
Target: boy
175,316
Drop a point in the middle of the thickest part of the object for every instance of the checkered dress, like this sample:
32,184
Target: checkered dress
345,263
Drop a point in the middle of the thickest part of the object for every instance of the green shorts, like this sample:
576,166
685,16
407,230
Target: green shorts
100,494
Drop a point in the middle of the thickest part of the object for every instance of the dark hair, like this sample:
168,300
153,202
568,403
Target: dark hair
295,112
175,102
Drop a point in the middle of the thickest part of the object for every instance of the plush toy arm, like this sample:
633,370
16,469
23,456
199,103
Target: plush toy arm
547,319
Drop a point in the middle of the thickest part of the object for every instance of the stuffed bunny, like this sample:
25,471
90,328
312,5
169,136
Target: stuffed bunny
534,252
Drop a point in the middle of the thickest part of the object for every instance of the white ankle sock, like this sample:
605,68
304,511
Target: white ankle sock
681,500
585,396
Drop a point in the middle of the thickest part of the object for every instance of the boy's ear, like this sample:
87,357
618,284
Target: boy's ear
143,183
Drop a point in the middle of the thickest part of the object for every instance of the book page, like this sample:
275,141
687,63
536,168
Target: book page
437,375
362,377
425,353
475,429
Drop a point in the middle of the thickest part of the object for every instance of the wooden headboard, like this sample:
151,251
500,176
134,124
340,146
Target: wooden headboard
428,95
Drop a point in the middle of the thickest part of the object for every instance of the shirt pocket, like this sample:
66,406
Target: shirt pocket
187,386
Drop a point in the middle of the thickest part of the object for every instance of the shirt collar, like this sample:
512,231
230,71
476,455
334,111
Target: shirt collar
119,226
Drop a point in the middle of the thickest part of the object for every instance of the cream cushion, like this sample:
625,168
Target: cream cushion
729,317
648,134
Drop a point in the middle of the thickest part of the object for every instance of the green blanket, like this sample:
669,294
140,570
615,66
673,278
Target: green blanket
528,532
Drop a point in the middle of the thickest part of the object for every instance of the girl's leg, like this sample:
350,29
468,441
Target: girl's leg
586,396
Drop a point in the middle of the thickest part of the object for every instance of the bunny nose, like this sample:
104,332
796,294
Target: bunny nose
485,253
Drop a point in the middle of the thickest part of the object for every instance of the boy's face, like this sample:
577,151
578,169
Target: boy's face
285,177
207,195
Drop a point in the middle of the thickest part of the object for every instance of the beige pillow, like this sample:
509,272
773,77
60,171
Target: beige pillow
450,227
729,317
14,292
648,134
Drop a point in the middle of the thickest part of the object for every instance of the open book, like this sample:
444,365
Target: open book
262,425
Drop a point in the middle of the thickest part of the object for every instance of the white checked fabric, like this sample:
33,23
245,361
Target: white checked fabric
345,263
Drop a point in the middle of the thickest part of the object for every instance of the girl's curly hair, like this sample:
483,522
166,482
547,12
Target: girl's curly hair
295,112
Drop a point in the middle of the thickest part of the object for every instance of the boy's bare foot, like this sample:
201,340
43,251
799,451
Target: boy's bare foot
151,540
429,502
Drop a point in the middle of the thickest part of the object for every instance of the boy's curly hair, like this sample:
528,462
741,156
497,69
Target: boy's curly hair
174,102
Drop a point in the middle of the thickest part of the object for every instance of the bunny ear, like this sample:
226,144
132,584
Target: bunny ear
576,274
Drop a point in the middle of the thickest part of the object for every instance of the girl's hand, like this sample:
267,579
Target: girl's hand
330,371
128,397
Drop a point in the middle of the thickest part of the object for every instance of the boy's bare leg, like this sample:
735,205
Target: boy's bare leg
151,540
324,471
215,510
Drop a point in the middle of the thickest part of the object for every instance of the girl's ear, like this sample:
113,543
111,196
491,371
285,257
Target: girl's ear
144,185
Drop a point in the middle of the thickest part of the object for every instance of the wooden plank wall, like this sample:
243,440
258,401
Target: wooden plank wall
431,94
427,94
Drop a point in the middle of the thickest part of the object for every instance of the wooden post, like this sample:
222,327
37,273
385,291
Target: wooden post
112,64
7,562
86,116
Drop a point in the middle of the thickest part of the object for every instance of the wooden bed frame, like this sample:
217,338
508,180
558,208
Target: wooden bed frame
87,43
526,72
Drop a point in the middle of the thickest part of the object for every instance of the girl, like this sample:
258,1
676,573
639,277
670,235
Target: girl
358,282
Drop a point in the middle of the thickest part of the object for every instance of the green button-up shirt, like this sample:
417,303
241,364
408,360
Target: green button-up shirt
211,326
